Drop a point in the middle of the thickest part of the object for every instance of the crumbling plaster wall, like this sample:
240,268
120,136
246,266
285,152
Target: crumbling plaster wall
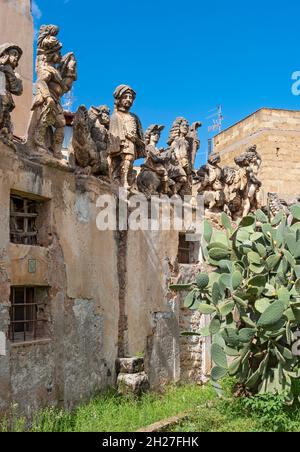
155,317
79,267
108,294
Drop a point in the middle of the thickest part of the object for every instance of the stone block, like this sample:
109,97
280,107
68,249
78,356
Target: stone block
130,365
133,383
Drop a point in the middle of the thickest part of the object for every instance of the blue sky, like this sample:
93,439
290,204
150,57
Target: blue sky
182,57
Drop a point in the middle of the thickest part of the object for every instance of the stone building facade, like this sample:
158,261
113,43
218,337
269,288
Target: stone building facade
98,295
276,133
74,299
16,25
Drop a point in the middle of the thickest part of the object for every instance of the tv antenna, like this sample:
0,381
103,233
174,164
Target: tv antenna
217,119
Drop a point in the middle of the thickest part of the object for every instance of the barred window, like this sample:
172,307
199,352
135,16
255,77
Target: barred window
188,250
183,250
27,314
23,214
30,222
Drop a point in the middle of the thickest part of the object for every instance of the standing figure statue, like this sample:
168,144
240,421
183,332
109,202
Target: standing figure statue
161,173
211,186
250,188
126,140
184,141
153,177
55,77
10,83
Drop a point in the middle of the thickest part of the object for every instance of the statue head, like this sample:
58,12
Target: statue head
102,113
10,54
124,97
214,158
48,45
153,133
250,157
179,128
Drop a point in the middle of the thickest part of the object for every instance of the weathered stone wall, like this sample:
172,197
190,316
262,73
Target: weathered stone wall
80,268
16,25
195,362
277,136
108,293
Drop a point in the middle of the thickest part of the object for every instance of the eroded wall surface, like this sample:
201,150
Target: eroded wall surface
107,294
79,266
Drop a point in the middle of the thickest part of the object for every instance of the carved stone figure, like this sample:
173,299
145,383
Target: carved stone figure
249,164
184,141
10,84
161,173
211,182
126,144
55,77
233,190
275,205
91,139
232,181
153,177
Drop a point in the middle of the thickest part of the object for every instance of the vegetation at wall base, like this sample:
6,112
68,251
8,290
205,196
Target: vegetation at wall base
207,412
253,298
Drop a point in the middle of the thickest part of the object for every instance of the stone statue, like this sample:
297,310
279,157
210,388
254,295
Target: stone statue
184,141
153,178
233,186
126,143
249,163
161,173
10,84
236,191
55,77
91,139
211,185
194,140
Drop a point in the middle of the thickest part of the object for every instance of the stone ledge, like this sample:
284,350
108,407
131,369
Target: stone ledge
161,426
30,343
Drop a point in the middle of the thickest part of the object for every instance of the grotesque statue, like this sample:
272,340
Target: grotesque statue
211,182
233,186
184,142
153,177
91,139
10,83
249,163
180,144
55,77
235,191
126,144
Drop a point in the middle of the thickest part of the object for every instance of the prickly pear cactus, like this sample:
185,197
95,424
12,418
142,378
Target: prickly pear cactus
253,298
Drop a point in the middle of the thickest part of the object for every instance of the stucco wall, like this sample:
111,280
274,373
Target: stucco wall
16,25
107,293
80,268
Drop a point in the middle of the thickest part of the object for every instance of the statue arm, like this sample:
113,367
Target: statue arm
42,84
13,79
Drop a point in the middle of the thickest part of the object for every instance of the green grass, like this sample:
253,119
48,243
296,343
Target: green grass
112,413
266,413
208,413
